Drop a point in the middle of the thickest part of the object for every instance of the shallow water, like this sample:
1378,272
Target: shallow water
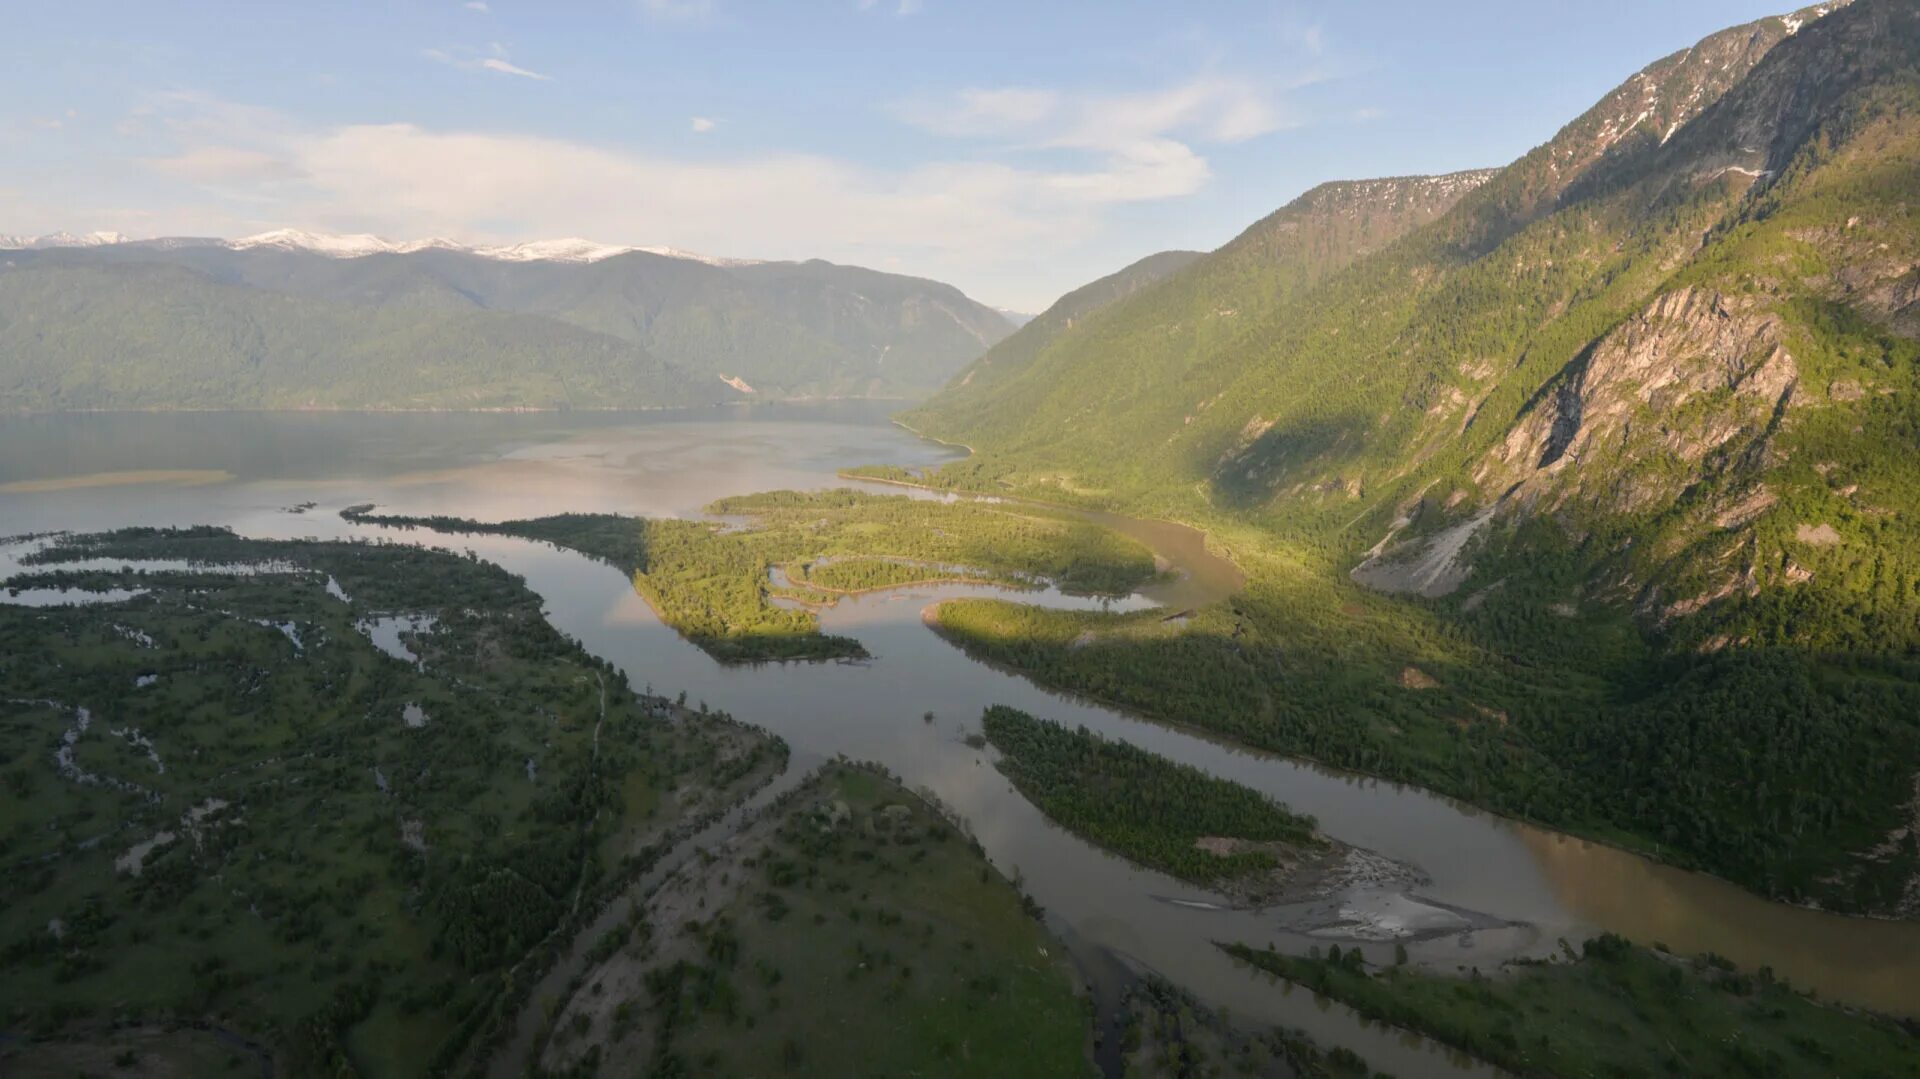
1496,889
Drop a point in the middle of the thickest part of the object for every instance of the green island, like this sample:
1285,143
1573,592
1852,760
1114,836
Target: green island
715,581
239,833
1611,1009
851,929
1156,812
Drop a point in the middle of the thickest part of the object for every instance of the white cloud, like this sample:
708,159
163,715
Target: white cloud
53,123
246,169
975,113
467,60
701,125
228,165
494,63
1144,143
1206,108
475,5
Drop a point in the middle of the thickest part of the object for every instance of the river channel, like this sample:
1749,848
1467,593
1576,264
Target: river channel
1492,889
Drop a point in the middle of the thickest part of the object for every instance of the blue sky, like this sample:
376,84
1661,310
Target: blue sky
1016,149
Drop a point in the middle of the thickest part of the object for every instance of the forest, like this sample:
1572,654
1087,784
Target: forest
1790,765
1142,806
852,905
221,803
1168,1033
1610,1008
714,581
1682,404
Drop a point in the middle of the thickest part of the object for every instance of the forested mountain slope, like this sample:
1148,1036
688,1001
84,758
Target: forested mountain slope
1149,328
1628,437
132,336
1010,357
781,330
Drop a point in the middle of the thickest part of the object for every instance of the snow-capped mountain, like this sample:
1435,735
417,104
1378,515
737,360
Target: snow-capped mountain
60,239
360,245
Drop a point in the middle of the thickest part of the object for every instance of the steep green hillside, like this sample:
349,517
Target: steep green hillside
783,329
1620,447
1188,308
1011,357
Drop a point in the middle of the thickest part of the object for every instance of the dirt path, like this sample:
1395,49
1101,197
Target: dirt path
510,1061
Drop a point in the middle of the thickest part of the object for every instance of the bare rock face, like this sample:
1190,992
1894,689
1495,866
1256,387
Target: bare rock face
1431,565
1626,428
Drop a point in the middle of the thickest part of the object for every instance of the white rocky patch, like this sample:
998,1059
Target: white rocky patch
135,859
140,741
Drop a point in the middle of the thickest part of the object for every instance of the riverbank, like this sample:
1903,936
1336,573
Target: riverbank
1477,861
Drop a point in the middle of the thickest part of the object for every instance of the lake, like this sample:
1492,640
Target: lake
1492,889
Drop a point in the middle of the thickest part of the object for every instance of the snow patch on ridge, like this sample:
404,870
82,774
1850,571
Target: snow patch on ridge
361,245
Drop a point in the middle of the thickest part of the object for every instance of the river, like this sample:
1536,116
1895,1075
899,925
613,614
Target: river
1495,889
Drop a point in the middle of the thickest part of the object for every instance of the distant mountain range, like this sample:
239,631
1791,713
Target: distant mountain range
291,319
360,245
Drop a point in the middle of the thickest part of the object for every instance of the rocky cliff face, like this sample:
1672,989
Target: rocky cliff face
1696,375
1610,144
1675,449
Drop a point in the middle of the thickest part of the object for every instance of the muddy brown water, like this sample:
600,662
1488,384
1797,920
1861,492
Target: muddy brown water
1495,889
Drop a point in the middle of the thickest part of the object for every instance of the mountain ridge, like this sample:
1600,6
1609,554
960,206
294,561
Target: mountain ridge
733,329
1616,449
363,245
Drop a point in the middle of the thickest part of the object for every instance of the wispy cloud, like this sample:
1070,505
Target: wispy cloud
678,10
1205,108
470,60
53,123
702,124
1145,143
493,63
963,218
475,5
902,8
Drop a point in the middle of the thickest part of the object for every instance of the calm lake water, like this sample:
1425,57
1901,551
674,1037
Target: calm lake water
1493,889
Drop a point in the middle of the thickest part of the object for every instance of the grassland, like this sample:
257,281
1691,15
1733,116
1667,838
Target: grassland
714,583
222,804
850,930
1614,1010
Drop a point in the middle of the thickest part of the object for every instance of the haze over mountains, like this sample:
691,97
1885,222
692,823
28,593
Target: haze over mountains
1632,420
299,320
